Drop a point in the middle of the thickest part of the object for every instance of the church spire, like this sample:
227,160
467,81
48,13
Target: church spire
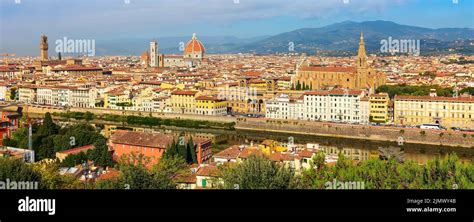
362,56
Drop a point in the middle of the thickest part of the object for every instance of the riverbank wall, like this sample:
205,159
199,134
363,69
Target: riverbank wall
362,132
335,130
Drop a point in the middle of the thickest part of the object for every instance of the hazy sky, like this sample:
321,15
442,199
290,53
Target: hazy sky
21,24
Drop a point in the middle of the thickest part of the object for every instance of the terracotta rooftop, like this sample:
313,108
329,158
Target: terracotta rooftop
335,92
184,92
210,98
437,98
328,69
153,140
77,149
208,170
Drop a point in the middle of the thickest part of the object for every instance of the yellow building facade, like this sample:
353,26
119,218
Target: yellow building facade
183,101
446,111
378,107
208,105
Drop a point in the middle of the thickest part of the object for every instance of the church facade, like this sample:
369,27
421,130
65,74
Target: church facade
193,55
362,76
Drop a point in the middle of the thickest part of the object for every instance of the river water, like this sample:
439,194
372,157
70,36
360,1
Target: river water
355,149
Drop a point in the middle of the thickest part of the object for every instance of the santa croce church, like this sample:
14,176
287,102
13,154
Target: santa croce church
361,77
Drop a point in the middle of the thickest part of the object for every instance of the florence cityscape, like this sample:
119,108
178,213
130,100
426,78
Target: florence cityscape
237,94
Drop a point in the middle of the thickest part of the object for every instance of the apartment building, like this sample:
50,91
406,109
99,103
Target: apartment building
338,105
83,97
162,104
60,95
364,110
27,94
446,111
44,95
284,107
211,106
183,101
3,92
378,108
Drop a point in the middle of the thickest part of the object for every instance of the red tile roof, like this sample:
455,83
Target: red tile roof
437,98
328,69
194,45
335,92
78,149
184,92
153,140
210,98
208,170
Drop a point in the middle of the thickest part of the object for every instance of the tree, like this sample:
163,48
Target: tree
100,154
315,176
88,116
134,173
404,89
17,170
13,93
136,176
469,90
51,179
74,159
257,173
392,174
43,139
171,150
43,146
298,85
165,171
191,151
48,127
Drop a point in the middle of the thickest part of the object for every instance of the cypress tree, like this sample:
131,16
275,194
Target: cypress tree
181,146
192,150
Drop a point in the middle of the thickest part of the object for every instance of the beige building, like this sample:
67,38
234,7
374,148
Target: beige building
362,76
27,94
446,111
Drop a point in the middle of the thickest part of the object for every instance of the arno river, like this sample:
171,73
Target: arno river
355,149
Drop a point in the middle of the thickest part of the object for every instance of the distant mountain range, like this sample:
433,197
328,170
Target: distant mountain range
336,39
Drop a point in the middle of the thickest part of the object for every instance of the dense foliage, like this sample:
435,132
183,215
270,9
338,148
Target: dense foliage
181,149
149,121
48,138
257,173
46,174
446,173
469,90
413,90
134,174
260,173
